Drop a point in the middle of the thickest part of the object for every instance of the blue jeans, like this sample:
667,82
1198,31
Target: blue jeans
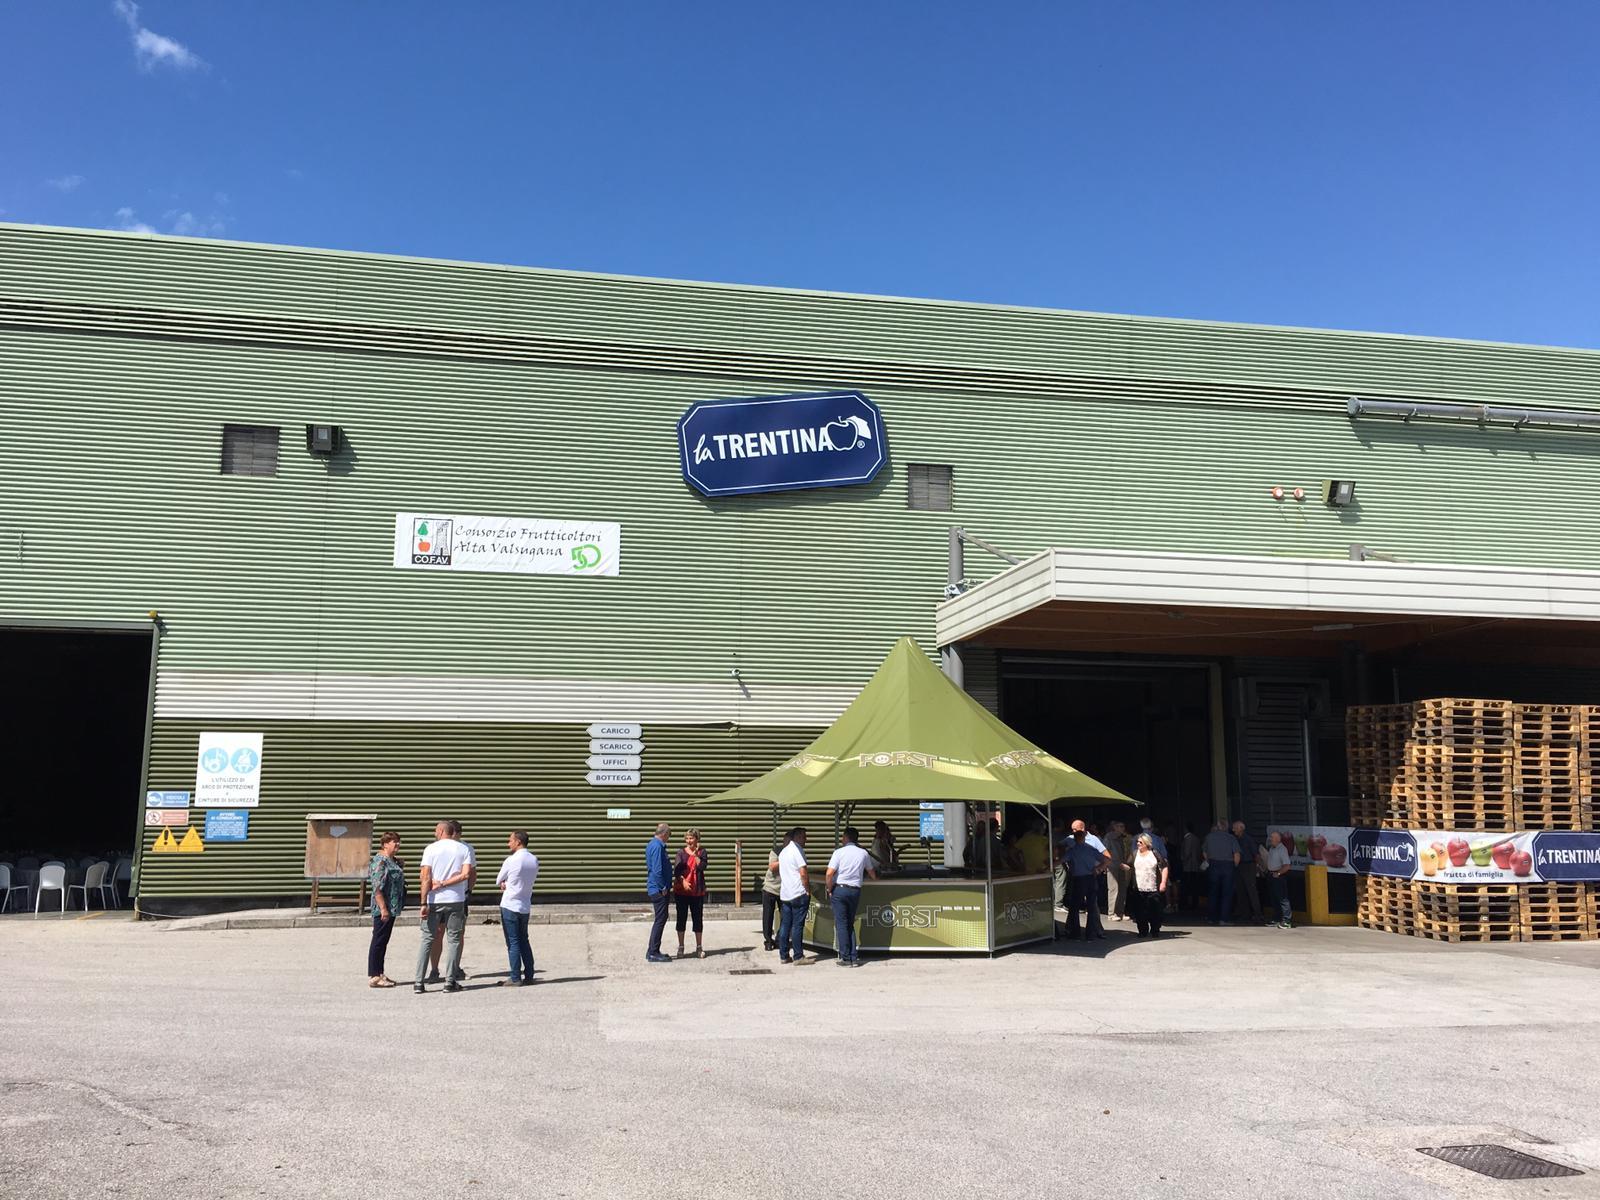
515,926
792,927
1219,892
845,902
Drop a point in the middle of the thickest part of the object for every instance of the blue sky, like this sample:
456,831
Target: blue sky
1417,167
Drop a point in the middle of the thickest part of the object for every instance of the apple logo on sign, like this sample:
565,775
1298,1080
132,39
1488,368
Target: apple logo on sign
847,433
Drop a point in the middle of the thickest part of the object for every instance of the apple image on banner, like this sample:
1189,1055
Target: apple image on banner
1333,855
1522,864
840,435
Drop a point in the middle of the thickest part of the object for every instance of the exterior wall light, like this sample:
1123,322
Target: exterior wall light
1339,493
1480,414
323,440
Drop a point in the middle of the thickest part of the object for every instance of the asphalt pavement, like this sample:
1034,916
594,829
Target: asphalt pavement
142,1060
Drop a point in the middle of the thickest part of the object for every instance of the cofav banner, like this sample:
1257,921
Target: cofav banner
1448,856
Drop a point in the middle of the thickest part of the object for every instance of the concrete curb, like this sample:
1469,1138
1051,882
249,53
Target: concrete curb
483,914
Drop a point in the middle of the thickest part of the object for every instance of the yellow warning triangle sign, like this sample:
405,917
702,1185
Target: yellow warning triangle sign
191,843
165,844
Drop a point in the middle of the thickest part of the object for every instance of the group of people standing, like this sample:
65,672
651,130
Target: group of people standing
682,880
1140,880
1136,872
449,872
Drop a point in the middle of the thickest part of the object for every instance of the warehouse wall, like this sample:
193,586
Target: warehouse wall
504,391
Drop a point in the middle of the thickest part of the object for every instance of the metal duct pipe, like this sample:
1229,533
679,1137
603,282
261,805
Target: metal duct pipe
1482,414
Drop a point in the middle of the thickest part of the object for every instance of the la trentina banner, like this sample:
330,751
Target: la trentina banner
1448,856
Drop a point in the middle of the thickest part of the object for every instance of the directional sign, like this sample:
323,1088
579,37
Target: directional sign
165,816
616,746
166,800
618,814
615,729
781,443
614,762
613,778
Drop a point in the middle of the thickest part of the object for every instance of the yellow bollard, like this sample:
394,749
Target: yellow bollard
1317,900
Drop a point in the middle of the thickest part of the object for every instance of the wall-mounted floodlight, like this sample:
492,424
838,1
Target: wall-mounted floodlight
323,440
1479,414
1339,493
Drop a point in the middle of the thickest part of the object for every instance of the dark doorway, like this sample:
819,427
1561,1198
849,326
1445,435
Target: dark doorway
1145,730
74,709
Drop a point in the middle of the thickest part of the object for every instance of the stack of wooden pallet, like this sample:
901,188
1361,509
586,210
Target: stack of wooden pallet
1552,766
1482,766
1469,912
1377,735
1386,904
1559,912
1461,765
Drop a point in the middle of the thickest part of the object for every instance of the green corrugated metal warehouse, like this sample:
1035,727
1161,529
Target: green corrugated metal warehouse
156,584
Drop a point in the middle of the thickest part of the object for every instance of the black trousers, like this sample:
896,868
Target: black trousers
769,918
1147,914
379,949
662,901
691,907
1082,898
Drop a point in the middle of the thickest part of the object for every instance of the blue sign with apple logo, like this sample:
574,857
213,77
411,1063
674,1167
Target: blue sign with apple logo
1391,852
781,443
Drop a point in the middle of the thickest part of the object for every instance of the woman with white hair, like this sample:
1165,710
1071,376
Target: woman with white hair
1149,882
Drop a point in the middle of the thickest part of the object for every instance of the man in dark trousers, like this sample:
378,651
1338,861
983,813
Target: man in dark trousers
658,886
1220,854
1085,864
1246,892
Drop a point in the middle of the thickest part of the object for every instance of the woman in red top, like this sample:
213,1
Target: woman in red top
689,889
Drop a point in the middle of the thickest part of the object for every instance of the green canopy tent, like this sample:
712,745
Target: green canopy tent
913,735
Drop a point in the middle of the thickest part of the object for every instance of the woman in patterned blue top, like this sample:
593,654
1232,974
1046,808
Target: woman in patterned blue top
388,882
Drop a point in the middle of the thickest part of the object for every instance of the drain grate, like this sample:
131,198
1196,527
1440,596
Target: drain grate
752,971
1498,1162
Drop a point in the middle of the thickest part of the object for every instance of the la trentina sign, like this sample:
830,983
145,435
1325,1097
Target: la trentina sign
781,443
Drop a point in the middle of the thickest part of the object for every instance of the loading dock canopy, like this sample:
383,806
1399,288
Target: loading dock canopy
1220,604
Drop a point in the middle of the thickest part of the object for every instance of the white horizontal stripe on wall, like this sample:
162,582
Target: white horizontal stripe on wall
307,696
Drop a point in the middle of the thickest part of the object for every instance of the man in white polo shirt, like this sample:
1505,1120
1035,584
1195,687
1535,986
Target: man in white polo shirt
794,893
845,871
446,868
516,878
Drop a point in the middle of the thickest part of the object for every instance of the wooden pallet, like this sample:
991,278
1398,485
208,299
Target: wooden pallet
1553,810
1385,904
1549,724
1559,912
1477,912
1464,722
1468,816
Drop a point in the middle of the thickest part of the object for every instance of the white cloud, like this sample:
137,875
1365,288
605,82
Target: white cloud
186,224
151,49
128,222
66,183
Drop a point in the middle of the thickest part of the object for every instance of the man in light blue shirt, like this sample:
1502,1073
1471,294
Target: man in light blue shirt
658,886
847,868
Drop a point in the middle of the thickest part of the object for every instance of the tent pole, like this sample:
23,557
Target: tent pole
988,857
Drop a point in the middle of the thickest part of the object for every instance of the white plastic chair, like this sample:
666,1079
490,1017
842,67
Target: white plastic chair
8,887
108,885
120,880
94,879
52,878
